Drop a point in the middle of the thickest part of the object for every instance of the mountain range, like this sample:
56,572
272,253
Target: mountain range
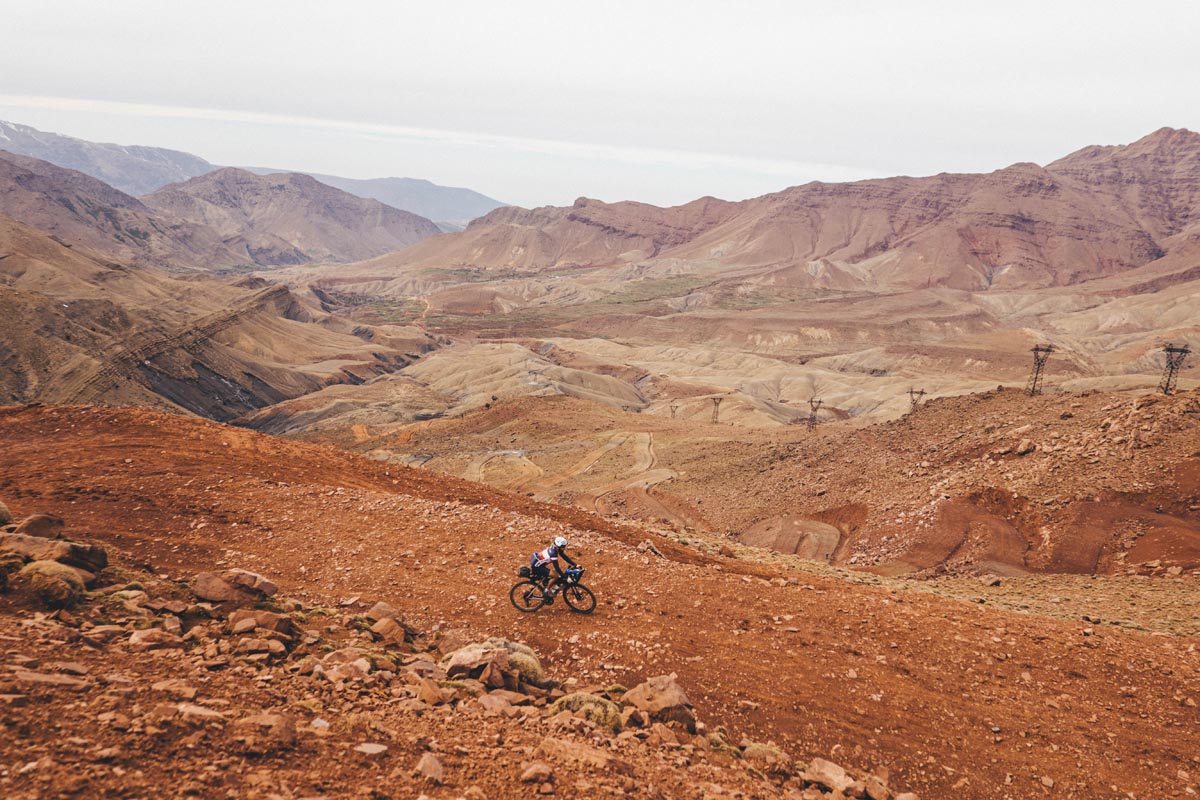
225,219
1095,213
851,291
139,170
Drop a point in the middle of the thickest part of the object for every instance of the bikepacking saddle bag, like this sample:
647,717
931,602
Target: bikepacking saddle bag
523,572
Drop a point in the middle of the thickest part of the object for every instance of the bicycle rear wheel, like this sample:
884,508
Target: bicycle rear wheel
579,598
526,596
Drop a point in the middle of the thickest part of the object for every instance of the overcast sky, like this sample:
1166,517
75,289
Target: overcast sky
540,102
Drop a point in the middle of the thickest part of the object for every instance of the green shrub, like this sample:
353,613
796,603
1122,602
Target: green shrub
604,713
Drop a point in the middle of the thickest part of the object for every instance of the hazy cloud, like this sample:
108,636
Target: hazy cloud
537,101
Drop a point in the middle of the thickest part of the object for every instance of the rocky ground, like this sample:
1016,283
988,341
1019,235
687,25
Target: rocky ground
219,687
937,692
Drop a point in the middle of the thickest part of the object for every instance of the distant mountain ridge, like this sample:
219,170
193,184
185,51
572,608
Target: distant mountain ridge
452,208
224,219
290,218
133,169
81,210
1098,212
139,170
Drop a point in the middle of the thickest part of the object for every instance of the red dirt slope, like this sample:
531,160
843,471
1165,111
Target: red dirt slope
957,699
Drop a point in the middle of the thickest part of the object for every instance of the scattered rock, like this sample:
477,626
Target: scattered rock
497,663
647,546
390,631
1025,447
429,692
827,774
264,733
189,712
43,526
430,768
5,515
176,687
493,703
59,681
233,586
371,749
267,620
581,754
662,700
153,639
55,585
87,557
454,639
382,610
537,772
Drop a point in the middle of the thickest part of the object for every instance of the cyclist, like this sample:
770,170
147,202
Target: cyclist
540,562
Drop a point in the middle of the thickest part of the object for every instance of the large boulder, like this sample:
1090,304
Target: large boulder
828,774
42,525
267,620
266,733
389,626
767,757
153,639
55,585
88,557
662,700
495,662
233,586
391,631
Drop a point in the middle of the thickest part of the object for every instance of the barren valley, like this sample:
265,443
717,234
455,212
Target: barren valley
272,454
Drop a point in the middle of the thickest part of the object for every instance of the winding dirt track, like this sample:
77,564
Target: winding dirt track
526,470
540,488
638,481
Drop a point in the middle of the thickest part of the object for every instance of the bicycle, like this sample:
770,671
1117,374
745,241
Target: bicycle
530,594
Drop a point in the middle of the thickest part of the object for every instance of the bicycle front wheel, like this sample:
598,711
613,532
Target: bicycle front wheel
526,596
579,598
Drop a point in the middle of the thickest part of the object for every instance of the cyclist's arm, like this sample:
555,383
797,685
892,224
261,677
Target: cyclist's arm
568,559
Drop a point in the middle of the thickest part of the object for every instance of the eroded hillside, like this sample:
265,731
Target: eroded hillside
79,328
1089,482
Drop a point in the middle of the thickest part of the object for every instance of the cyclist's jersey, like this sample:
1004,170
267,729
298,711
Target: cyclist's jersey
543,557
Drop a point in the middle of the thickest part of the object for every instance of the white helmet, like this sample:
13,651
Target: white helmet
560,541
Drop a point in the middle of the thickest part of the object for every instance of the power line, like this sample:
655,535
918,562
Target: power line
815,404
1040,352
1175,357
